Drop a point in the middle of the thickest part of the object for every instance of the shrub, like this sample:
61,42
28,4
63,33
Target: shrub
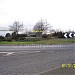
9,39
7,35
44,36
2,38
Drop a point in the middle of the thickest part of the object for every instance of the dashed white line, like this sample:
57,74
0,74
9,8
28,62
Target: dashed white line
37,51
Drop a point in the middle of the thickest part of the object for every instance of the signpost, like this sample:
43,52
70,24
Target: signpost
74,35
69,35
65,35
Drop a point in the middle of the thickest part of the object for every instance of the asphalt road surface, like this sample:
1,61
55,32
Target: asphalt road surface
34,59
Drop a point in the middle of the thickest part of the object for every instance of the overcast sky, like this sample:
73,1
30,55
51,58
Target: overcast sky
59,13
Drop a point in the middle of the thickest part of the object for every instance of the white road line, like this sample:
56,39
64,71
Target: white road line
32,51
48,70
7,53
3,52
37,51
49,51
51,69
25,52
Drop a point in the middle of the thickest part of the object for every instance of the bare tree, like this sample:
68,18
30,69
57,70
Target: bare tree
40,27
16,27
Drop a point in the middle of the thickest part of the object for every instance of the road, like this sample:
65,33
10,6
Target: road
34,59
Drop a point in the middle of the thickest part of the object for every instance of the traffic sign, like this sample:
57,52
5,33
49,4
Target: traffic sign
69,35
65,35
74,35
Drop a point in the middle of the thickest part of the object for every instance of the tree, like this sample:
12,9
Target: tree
14,35
16,27
2,38
40,27
58,34
7,35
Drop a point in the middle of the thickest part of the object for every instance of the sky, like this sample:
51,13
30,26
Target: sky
60,14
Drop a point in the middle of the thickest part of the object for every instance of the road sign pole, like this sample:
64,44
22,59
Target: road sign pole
66,40
65,35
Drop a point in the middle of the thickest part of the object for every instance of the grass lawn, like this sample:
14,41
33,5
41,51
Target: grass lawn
56,41
44,41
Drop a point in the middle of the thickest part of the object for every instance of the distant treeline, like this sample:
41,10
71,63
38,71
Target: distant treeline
30,37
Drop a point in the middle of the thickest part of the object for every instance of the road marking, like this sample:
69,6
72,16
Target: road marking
52,69
37,51
49,51
3,52
32,51
24,52
7,53
47,70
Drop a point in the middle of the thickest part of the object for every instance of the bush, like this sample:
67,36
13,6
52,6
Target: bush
58,34
7,35
30,39
9,39
44,36
2,38
21,39
21,35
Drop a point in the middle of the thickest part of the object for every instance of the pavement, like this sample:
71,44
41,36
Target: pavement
36,60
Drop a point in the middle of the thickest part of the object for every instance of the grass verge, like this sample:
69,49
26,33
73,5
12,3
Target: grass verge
44,41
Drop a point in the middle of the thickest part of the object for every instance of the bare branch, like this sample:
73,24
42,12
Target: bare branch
42,25
16,27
